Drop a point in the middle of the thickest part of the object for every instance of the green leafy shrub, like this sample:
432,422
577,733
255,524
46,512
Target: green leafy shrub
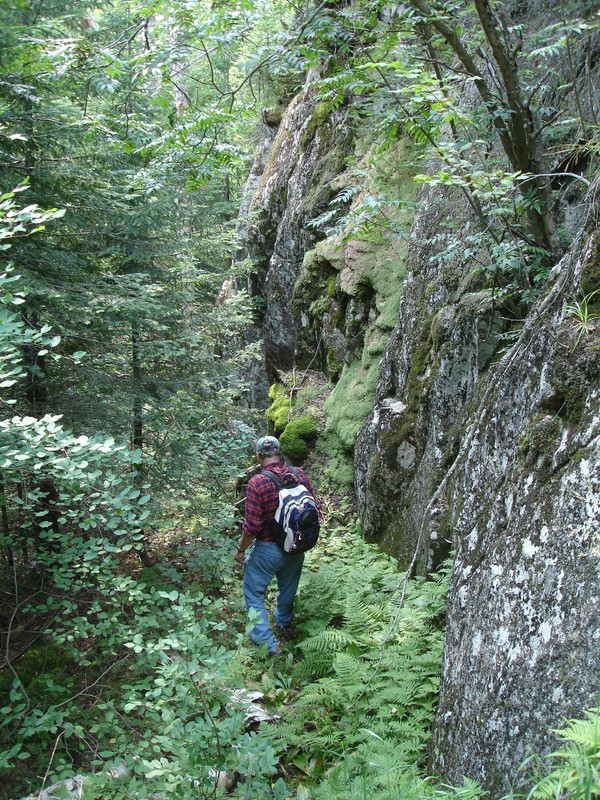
131,673
295,438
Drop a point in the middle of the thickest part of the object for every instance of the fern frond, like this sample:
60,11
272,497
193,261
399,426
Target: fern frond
577,766
349,669
330,641
375,708
584,732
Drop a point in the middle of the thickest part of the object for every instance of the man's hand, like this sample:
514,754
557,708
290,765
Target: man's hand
240,559
240,552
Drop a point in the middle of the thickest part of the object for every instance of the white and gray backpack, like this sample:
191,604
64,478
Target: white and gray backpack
296,522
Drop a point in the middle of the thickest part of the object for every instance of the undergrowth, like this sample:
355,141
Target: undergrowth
357,706
353,699
369,672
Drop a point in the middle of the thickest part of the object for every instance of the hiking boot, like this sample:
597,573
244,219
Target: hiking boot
285,632
277,652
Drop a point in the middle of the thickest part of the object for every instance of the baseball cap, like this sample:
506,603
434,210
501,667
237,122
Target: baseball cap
267,445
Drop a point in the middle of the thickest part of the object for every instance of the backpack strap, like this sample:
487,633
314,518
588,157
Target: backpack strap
279,482
273,477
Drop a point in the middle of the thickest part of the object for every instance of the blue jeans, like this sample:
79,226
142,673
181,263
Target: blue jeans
265,562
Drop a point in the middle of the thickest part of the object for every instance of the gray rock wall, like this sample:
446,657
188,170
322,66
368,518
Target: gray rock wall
496,452
485,438
523,637
290,185
446,334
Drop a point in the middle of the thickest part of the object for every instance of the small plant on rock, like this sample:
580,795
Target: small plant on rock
585,318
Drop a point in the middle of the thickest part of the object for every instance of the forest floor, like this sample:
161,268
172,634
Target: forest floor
197,571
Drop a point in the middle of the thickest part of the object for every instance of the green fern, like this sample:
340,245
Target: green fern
576,767
350,672
328,641
371,686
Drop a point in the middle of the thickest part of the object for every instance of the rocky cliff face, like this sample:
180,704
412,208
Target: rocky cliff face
493,448
490,445
291,183
446,335
524,494
484,436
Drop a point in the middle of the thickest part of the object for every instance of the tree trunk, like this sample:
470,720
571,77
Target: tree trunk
137,438
524,145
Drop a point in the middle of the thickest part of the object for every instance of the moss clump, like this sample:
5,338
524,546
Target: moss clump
278,411
333,365
339,318
339,472
545,434
331,286
320,307
388,308
273,116
305,399
374,347
320,116
295,438
540,442
351,401
314,291
423,358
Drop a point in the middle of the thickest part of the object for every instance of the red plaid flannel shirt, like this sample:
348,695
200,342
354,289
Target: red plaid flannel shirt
262,498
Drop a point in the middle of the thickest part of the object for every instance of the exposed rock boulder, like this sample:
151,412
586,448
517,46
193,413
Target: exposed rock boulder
445,337
521,651
494,450
289,188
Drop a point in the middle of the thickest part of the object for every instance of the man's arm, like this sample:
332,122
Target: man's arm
244,544
254,517
252,523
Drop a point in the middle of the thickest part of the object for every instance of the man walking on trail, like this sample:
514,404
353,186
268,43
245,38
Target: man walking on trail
267,560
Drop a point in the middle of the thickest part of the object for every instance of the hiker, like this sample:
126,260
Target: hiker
268,559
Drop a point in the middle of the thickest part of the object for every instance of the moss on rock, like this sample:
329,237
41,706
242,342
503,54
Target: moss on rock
273,116
320,116
420,380
296,437
278,412
590,277
331,281
540,442
351,401
339,472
